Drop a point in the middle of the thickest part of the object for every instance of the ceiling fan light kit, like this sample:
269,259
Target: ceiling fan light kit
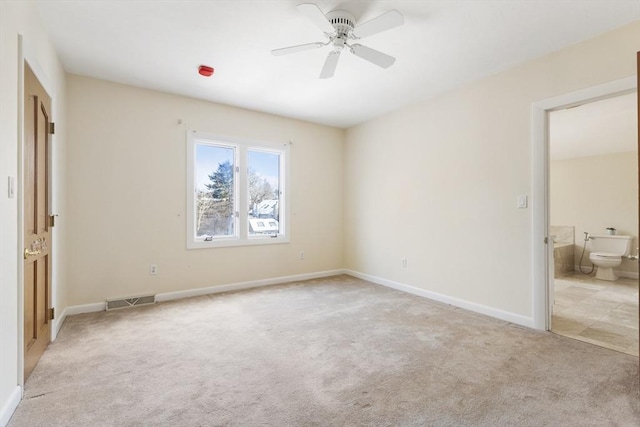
340,27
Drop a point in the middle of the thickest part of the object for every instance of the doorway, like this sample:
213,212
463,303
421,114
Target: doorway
543,266
593,187
37,262
543,262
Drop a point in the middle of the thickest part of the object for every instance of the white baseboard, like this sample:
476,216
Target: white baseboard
84,308
9,407
69,311
57,324
168,296
467,305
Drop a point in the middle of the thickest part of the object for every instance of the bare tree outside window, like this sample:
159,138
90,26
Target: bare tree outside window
264,192
237,192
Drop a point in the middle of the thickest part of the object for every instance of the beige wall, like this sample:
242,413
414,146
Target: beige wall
21,18
127,183
437,183
593,193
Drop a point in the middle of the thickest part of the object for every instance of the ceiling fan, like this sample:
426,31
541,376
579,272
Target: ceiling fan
340,28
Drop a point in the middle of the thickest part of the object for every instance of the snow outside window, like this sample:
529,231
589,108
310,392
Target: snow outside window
236,191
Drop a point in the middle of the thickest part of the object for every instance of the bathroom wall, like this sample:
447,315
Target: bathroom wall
563,234
563,249
593,193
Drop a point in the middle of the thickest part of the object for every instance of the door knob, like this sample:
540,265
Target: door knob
28,253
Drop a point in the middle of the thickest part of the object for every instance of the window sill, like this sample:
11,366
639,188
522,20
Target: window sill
226,243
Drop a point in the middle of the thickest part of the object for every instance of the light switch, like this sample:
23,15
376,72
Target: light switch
522,202
11,188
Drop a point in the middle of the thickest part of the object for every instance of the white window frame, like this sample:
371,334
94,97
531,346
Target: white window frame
241,196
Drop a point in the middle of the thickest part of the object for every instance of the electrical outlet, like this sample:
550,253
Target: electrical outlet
301,256
404,263
153,269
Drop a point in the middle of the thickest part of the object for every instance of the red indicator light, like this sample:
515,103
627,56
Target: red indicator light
205,70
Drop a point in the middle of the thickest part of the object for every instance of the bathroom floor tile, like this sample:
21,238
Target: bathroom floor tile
633,349
562,284
627,309
616,297
568,325
588,283
628,321
606,336
574,294
588,311
614,328
596,311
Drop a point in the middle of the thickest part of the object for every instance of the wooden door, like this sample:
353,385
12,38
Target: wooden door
37,236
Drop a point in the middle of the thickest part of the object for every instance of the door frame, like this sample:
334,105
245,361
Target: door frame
540,192
29,55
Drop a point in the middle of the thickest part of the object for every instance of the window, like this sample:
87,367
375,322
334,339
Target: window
237,192
263,169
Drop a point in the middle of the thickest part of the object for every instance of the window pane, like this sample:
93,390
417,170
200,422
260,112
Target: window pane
264,192
215,208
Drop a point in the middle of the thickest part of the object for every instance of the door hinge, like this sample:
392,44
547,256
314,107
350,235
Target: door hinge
52,313
52,128
52,220
546,240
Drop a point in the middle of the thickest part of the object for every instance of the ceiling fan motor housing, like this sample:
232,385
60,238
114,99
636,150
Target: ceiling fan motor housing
342,21
339,27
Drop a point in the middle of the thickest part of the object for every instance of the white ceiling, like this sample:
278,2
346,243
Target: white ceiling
601,127
443,45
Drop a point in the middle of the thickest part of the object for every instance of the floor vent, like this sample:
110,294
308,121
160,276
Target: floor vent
113,304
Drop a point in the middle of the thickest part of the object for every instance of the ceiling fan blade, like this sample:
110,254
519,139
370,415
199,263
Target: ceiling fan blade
374,56
384,22
316,16
294,49
330,64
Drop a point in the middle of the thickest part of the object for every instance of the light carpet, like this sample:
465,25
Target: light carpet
337,351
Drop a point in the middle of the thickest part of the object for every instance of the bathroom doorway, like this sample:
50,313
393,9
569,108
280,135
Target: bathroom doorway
593,190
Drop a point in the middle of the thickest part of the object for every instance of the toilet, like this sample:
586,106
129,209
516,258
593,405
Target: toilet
607,252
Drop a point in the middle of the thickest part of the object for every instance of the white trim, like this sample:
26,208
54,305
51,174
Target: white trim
540,192
22,56
26,53
241,149
10,406
85,308
168,296
57,325
467,305
231,242
540,212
